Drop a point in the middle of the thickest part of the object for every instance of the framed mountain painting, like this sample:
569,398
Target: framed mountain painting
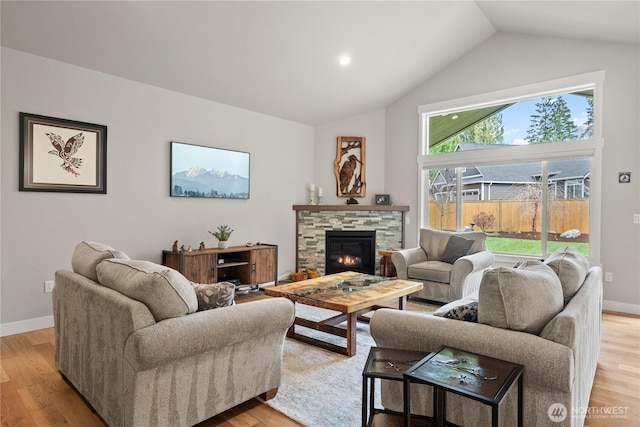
201,171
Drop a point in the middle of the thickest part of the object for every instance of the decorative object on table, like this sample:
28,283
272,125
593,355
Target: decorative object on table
182,247
383,199
199,171
62,155
201,248
174,248
624,177
349,166
222,234
352,201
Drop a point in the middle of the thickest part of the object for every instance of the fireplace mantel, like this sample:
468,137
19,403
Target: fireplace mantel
350,208
313,220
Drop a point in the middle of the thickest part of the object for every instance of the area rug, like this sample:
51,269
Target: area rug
321,388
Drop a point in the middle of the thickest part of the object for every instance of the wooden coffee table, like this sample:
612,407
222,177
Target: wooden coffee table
349,293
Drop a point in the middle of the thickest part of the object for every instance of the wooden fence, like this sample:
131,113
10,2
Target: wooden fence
514,215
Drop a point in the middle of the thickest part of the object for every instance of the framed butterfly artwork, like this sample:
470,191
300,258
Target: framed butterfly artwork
62,155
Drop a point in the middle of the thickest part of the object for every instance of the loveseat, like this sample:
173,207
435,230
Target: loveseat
129,337
543,315
449,264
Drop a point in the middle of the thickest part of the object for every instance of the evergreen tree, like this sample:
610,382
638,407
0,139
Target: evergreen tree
446,146
551,122
587,132
487,131
490,130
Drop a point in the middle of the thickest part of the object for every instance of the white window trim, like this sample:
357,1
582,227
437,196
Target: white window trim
591,147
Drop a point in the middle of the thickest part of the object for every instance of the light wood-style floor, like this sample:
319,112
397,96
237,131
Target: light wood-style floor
33,392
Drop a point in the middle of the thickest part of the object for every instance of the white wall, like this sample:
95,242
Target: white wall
510,60
370,125
39,230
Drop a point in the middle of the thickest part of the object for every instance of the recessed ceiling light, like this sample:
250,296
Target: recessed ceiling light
345,60
455,116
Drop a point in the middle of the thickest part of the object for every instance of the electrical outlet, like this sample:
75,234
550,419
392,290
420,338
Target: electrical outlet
608,276
636,218
48,285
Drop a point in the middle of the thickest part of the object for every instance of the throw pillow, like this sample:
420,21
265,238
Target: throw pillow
87,255
456,247
522,299
467,312
214,295
433,242
446,308
166,292
571,267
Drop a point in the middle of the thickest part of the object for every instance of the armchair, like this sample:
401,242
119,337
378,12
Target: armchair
449,269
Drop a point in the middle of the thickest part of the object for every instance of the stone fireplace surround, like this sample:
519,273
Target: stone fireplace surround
313,220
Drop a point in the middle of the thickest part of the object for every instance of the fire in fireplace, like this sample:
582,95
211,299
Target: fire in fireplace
350,251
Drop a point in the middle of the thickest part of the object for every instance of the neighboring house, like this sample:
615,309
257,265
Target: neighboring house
570,178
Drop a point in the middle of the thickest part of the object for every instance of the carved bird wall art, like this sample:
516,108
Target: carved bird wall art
66,150
346,173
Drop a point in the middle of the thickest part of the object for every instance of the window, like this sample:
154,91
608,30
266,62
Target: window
522,165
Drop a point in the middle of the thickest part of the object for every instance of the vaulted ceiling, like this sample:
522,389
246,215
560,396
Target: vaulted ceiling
280,58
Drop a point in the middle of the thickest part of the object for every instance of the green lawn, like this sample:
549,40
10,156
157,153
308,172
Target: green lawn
530,247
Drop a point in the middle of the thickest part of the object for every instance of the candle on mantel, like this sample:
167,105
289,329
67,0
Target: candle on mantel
312,187
319,191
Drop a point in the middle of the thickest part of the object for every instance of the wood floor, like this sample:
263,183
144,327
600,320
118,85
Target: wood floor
33,392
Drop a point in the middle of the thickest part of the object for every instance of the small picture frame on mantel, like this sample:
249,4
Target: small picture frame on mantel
383,199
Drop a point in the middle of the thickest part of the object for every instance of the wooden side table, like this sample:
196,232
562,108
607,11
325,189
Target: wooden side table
477,377
387,269
383,363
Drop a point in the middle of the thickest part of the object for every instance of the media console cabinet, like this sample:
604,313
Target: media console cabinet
242,265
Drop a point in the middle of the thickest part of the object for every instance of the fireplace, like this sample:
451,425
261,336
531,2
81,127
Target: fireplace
350,251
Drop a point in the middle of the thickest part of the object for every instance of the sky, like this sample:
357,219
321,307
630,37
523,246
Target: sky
186,156
516,119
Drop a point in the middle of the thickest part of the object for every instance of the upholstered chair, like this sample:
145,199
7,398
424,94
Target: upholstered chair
449,264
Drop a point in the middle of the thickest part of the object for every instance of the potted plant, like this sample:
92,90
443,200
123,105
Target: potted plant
222,234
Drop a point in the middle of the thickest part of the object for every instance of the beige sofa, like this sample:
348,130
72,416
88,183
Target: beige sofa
149,359
522,317
448,270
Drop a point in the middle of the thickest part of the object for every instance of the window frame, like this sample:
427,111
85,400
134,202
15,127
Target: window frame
585,148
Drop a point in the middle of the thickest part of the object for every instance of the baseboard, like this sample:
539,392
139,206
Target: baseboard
28,325
621,307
